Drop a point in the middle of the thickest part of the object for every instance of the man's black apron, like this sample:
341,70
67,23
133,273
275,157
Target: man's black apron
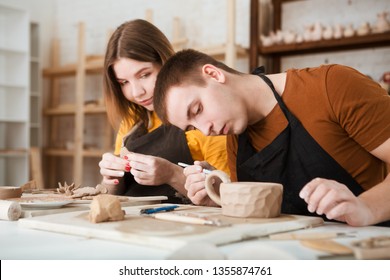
168,142
293,159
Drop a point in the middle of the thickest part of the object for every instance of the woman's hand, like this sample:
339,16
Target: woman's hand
336,201
153,171
195,183
112,168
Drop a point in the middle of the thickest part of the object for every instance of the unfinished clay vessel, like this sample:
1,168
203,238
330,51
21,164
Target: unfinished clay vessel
364,29
245,199
338,31
382,24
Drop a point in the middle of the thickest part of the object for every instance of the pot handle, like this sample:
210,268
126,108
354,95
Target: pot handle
210,188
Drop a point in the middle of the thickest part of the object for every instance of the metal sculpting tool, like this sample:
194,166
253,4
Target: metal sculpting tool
205,171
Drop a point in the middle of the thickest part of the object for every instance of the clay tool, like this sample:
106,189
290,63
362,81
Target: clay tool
205,171
328,246
309,235
158,209
372,248
189,219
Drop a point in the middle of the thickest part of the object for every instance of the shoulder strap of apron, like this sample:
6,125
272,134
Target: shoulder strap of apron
260,71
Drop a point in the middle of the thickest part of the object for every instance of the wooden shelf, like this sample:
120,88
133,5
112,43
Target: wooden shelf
355,42
91,67
94,153
275,53
78,111
219,51
13,152
71,110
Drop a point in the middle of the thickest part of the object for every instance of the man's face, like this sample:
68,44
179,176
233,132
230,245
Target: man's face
212,109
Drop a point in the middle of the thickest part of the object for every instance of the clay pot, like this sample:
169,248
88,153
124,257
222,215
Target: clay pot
277,37
316,32
308,29
7,192
364,29
299,39
266,41
338,31
327,32
245,199
349,31
289,37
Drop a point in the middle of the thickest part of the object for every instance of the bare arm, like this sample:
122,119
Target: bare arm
377,198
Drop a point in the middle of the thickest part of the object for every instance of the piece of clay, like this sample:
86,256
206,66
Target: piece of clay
80,192
124,151
105,207
10,210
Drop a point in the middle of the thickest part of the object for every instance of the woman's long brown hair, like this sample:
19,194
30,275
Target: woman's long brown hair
139,40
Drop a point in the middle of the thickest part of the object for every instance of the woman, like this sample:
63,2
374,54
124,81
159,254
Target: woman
135,53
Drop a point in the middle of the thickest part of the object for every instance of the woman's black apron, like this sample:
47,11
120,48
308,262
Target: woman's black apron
293,159
168,142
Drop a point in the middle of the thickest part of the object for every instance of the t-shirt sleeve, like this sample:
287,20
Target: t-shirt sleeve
208,148
359,105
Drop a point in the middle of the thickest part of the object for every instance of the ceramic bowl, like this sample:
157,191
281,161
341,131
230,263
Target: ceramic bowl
7,192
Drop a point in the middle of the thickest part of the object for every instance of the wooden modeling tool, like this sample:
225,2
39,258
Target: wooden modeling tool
309,235
189,219
373,248
328,246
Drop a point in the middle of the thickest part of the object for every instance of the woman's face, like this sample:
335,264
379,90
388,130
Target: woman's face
137,80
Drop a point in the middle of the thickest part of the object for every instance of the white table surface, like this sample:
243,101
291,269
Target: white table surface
17,243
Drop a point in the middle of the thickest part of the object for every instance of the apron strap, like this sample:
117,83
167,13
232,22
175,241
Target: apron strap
260,71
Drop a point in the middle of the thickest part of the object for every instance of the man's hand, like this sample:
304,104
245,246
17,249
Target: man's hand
336,201
195,183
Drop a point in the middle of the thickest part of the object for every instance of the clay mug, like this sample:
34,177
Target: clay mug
245,199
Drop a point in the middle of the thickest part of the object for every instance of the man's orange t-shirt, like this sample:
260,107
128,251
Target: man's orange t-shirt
347,113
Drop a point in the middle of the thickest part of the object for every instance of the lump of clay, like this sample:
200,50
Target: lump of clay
105,207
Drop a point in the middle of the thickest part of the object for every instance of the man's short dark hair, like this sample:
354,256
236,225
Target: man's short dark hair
183,68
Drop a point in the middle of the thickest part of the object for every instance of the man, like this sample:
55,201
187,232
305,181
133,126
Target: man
324,132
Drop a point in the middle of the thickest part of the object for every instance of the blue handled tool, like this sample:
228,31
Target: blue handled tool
158,209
